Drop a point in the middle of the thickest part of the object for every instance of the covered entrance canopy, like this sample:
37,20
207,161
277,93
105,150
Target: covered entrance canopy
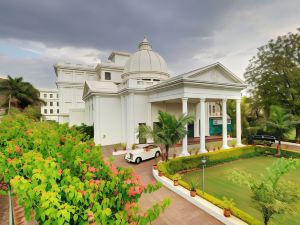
193,90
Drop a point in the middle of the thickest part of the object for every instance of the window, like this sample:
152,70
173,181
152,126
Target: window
107,75
57,111
45,111
57,95
51,111
209,109
214,109
51,95
51,103
57,104
45,95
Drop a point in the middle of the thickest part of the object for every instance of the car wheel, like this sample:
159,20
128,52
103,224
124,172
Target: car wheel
138,160
157,154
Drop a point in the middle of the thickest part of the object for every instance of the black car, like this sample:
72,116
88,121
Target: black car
261,139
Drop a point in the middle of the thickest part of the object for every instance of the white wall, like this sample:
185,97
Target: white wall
76,117
107,119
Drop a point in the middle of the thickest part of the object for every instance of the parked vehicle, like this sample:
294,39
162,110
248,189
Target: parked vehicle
261,139
143,152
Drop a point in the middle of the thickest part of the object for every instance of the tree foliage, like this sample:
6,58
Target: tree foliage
20,93
269,195
279,122
274,74
168,130
250,113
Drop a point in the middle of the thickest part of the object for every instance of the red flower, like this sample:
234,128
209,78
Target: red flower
128,181
82,192
114,169
17,148
9,160
92,169
92,144
96,182
29,132
59,171
87,150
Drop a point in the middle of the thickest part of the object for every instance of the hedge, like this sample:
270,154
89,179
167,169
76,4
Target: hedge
213,158
183,164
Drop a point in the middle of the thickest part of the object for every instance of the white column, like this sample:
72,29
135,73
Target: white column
185,139
206,119
224,119
130,120
123,118
149,119
238,124
196,122
202,125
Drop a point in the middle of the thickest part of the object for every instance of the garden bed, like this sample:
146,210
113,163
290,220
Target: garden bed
221,158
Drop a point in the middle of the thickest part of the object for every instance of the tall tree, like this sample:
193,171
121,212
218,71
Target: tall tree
274,74
269,194
19,93
168,131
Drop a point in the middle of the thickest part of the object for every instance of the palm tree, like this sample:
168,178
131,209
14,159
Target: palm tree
279,123
168,131
19,93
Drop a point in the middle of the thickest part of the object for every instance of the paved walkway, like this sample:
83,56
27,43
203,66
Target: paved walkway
180,212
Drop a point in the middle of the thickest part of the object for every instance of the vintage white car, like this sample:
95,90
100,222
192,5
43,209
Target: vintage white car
143,152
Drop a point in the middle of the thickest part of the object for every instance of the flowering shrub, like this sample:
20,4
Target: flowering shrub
60,175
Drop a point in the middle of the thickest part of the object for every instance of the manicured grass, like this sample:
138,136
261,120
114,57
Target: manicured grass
218,185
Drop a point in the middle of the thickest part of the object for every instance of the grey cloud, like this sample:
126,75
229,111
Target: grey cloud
177,29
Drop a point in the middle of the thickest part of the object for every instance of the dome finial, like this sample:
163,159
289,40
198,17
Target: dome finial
145,45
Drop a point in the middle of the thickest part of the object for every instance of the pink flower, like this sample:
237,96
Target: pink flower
128,181
17,148
92,169
114,169
96,182
59,171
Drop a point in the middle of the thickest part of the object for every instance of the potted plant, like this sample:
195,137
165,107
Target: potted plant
228,204
133,146
123,145
160,173
192,188
116,147
176,178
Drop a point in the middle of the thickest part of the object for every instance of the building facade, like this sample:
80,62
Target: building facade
50,110
129,90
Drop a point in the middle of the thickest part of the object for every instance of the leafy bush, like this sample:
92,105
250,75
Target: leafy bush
85,129
65,180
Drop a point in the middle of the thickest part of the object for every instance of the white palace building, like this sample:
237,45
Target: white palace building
129,90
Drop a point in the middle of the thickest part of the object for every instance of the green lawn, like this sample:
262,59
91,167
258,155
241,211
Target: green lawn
218,185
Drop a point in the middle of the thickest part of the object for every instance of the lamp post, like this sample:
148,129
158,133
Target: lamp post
203,166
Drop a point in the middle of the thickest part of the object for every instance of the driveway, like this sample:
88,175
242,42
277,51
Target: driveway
180,212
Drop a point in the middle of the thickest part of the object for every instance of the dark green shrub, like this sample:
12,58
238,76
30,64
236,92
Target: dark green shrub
85,129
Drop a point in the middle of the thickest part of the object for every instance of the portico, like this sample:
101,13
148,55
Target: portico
193,93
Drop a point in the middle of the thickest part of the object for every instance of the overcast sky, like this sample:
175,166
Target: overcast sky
35,34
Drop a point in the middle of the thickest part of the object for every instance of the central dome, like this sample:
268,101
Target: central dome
145,64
